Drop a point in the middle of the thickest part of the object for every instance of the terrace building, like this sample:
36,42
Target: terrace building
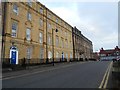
82,47
35,32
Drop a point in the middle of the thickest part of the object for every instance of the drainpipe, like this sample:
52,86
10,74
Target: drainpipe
4,8
46,38
73,36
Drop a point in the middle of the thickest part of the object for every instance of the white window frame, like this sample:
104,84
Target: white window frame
30,3
15,9
50,55
41,22
29,53
71,56
67,56
49,15
57,41
57,54
29,16
66,43
41,53
56,20
49,26
41,10
65,33
49,40
14,30
28,34
41,37
62,43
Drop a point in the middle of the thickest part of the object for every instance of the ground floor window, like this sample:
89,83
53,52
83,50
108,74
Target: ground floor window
57,54
41,53
29,53
66,56
49,54
71,55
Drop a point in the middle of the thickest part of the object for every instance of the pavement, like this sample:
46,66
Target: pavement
65,75
8,72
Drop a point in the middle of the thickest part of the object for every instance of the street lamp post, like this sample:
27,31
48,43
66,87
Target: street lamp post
56,30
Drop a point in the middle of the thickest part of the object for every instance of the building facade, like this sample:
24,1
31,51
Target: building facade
109,54
82,47
37,33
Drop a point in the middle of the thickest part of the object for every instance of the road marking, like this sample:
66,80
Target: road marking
105,85
105,78
39,71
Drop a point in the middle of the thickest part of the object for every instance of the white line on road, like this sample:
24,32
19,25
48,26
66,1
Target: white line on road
105,78
106,82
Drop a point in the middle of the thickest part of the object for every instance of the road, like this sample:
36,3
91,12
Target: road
77,75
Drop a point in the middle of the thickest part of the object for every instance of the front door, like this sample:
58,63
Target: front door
13,57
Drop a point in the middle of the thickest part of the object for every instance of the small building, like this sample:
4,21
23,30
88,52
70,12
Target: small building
96,56
109,54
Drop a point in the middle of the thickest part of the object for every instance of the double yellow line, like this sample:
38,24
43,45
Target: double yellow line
106,77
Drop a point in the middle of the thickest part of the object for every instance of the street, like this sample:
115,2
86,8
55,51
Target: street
77,75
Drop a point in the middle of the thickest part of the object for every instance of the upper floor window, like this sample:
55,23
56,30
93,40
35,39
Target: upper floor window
65,33
49,39
56,20
29,53
65,25
41,10
61,22
41,37
15,9
30,3
29,17
28,36
62,42
57,40
14,29
66,43
41,22
49,15
49,25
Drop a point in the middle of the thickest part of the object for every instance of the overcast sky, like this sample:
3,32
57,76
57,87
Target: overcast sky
98,21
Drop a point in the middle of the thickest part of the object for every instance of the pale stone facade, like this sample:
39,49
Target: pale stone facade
28,26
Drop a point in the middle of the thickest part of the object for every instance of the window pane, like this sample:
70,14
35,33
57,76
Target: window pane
57,20
41,22
41,37
29,16
57,40
49,26
49,39
15,9
57,55
14,29
41,53
29,53
30,3
41,10
28,34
